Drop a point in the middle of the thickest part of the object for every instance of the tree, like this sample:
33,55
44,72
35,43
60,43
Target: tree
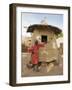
60,35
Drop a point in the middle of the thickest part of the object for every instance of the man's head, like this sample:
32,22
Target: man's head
36,42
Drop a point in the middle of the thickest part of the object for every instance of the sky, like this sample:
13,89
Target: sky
36,18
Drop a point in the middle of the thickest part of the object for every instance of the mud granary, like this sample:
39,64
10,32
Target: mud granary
48,34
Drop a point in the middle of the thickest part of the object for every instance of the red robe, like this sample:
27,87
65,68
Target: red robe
35,53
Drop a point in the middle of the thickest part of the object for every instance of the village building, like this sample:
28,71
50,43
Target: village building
26,43
46,33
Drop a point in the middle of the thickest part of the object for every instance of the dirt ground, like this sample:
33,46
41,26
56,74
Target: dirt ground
45,70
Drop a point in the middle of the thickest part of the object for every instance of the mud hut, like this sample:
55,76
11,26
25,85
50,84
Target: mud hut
48,34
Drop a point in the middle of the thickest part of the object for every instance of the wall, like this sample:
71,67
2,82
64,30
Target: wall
4,45
39,32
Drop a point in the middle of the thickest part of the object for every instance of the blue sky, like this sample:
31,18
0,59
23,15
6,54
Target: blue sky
36,18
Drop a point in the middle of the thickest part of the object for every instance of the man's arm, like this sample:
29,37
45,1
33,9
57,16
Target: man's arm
42,44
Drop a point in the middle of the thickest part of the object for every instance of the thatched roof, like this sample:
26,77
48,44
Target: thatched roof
56,30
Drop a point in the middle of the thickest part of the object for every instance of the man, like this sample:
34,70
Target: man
34,50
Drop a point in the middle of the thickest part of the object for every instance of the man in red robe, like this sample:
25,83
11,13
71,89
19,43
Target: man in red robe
35,54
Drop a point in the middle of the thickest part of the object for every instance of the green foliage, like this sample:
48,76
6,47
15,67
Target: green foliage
60,35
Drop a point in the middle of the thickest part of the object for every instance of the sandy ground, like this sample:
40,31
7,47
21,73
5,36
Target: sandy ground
48,70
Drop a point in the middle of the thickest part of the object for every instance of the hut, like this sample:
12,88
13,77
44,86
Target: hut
46,33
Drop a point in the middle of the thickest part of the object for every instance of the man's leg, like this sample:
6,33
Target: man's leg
35,67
